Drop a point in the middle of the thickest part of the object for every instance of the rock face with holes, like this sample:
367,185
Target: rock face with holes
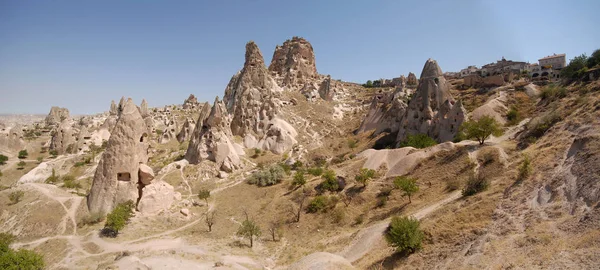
252,99
432,110
117,177
186,130
385,113
170,131
191,102
64,139
56,116
293,63
12,140
213,141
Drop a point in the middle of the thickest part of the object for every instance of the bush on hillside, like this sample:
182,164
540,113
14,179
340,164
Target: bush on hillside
330,182
116,220
267,176
20,259
475,184
404,234
418,141
3,159
553,92
321,203
315,171
364,175
299,179
23,154
16,196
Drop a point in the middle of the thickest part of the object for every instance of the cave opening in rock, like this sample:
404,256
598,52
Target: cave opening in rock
124,176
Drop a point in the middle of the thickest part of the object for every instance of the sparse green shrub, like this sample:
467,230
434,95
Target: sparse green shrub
53,153
352,143
16,196
21,165
3,159
552,92
299,179
330,182
23,154
40,159
52,179
204,194
513,116
116,220
524,169
267,177
364,175
297,165
481,129
539,125
317,204
256,153
475,184
79,164
381,202
315,171
19,259
418,141
320,161
70,182
385,192
286,168
407,185
359,219
404,234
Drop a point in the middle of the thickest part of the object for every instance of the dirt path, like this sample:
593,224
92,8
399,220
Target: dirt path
366,239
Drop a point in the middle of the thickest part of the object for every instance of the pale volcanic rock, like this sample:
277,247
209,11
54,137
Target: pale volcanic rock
293,63
63,139
144,108
191,102
170,131
12,139
385,113
56,116
412,79
157,197
212,141
113,108
146,174
116,178
186,130
432,110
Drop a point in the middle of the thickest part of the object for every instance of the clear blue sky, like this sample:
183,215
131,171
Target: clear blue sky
82,54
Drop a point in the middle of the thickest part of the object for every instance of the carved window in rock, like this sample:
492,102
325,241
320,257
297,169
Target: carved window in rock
143,137
124,176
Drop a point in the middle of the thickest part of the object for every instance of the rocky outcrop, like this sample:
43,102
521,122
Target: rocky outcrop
56,116
63,139
113,108
111,120
11,140
117,177
170,131
157,197
191,102
432,110
293,63
412,79
250,95
212,140
144,108
326,89
385,113
186,130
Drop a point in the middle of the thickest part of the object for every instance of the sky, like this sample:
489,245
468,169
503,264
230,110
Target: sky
83,54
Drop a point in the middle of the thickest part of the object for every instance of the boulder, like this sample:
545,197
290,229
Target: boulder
116,178
412,79
157,197
293,63
146,174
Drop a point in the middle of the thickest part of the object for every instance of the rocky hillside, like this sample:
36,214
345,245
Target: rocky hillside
317,166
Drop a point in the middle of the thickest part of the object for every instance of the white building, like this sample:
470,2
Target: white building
555,61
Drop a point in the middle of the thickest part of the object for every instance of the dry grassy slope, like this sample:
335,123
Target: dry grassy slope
549,220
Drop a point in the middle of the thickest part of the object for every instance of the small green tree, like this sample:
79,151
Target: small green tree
16,196
268,176
23,154
407,185
481,129
20,259
369,84
594,59
330,183
3,159
21,165
364,175
404,234
299,179
249,229
204,194
571,71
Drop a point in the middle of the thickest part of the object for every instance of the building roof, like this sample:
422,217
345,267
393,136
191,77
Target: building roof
553,56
